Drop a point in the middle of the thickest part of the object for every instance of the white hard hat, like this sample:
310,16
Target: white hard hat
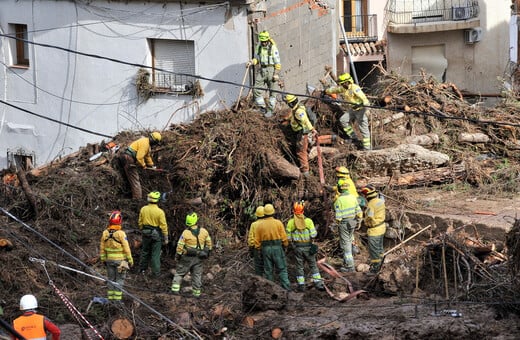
28,302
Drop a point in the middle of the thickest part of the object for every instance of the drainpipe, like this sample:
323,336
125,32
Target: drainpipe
352,67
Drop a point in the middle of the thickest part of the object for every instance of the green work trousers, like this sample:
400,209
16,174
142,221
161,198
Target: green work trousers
274,258
192,265
150,253
375,251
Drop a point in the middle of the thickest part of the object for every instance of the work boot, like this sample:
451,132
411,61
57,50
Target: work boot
347,270
355,249
301,288
319,286
268,114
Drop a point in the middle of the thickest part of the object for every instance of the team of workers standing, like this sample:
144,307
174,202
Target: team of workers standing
268,239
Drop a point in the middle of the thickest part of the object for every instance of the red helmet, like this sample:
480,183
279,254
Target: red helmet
115,218
298,208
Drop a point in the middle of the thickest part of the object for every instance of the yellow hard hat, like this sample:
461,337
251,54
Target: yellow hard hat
269,210
154,196
345,77
259,211
191,219
343,185
156,136
342,172
369,191
289,98
264,36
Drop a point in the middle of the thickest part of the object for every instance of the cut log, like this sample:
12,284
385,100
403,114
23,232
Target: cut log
328,152
122,328
473,137
281,167
424,140
418,178
390,119
404,158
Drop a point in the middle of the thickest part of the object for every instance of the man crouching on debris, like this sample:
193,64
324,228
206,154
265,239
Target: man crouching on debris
348,213
138,154
115,252
193,248
375,215
271,239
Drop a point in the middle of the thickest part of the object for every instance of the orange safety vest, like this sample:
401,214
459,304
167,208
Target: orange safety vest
31,326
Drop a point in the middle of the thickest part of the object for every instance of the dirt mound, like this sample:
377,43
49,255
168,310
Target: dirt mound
221,166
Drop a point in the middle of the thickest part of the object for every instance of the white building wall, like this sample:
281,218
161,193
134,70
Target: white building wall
475,68
99,95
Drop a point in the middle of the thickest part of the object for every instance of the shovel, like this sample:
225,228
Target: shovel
242,87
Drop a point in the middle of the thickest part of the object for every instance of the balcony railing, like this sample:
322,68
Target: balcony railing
417,11
361,27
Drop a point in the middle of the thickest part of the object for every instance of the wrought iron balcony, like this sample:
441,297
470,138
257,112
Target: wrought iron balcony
360,27
419,11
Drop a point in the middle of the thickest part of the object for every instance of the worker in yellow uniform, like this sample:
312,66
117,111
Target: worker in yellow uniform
343,173
256,255
301,232
356,103
347,214
137,155
375,215
115,253
268,66
303,130
193,248
152,223
32,325
271,239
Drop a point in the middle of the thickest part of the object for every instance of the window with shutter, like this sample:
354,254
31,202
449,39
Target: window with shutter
19,46
173,65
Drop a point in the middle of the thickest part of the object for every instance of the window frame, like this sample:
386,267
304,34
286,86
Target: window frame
21,47
173,82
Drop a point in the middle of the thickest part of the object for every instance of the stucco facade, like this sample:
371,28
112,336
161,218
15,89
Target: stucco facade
63,100
473,67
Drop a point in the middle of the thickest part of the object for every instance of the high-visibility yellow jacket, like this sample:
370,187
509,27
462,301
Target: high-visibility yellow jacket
188,239
153,216
114,245
375,215
353,95
251,235
347,207
300,120
268,56
142,150
270,229
305,235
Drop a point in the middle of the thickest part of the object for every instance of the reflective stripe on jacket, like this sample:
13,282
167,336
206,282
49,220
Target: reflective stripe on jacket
375,215
189,240
268,55
346,206
352,95
114,247
301,236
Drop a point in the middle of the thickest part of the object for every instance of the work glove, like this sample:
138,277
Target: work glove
165,240
123,266
276,77
131,262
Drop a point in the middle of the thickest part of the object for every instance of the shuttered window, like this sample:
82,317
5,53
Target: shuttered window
19,46
174,65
